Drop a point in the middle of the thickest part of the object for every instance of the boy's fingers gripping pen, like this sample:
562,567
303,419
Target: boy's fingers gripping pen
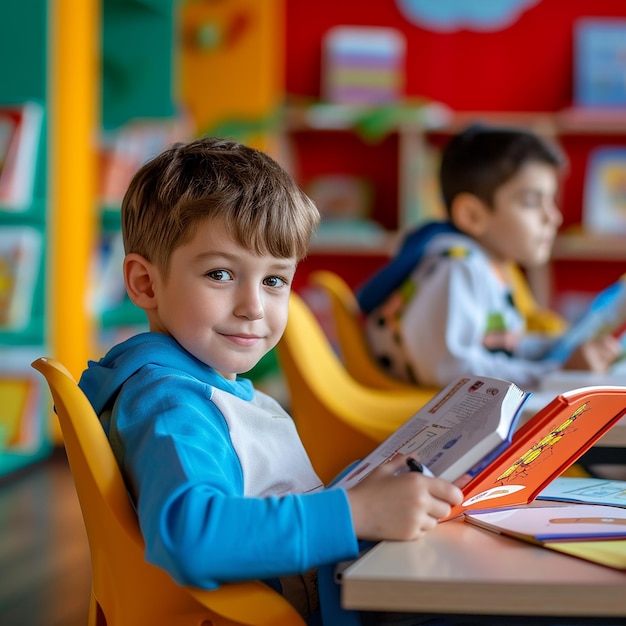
416,466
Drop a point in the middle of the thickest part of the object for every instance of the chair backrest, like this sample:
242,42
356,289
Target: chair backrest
346,316
538,319
126,589
339,420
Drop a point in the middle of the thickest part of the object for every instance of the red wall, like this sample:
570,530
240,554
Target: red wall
525,67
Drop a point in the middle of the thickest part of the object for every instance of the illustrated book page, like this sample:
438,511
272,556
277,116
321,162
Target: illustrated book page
469,434
585,490
460,428
544,447
606,315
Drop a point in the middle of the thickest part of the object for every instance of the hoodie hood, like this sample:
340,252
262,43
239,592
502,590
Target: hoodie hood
103,379
384,282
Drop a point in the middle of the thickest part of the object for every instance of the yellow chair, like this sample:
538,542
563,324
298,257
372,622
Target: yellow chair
353,345
339,420
127,590
538,319
346,316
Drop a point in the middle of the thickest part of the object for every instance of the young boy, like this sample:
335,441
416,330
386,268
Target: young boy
443,307
213,232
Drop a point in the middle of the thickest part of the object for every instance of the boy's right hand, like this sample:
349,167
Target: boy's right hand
393,503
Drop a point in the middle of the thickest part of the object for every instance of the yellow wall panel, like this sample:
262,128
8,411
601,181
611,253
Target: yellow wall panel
232,66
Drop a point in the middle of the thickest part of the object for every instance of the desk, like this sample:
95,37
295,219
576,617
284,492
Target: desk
457,568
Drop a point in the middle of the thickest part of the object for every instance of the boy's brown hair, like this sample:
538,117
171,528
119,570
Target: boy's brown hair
260,203
481,158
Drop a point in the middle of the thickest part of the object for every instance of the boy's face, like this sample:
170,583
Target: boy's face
523,222
224,304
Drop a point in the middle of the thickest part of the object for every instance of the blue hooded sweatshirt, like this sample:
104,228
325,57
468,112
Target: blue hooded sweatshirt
219,498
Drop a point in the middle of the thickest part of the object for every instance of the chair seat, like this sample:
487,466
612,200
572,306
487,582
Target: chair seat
126,589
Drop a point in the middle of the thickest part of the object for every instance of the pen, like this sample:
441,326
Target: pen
416,466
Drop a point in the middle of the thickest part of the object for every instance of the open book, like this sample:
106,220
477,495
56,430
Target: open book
591,532
606,315
585,491
470,434
554,522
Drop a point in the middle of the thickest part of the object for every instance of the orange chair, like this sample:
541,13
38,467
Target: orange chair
346,316
339,419
126,590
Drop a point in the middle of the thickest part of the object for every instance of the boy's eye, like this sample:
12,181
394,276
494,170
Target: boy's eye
530,200
220,275
274,281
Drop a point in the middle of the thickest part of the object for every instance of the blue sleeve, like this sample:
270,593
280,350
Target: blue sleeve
187,483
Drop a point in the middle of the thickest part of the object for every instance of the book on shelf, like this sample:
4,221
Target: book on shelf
472,433
20,252
20,137
557,522
604,202
126,149
599,50
108,290
363,65
19,427
605,315
23,419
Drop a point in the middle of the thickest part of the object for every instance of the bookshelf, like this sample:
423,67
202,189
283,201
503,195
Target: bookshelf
139,119
404,155
393,148
24,221
62,52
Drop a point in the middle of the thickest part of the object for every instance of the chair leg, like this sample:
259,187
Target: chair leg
96,616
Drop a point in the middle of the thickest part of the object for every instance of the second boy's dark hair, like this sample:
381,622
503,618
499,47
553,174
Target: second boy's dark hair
482,158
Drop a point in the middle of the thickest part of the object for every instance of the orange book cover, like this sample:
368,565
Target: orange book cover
544,447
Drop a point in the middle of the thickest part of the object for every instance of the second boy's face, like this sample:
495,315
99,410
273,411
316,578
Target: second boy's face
224,304
524,219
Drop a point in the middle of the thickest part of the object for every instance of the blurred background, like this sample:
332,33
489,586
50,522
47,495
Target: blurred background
354,98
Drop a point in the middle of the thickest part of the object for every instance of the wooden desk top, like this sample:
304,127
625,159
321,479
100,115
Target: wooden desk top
457,568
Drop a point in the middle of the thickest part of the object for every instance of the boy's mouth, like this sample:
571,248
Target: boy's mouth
242,339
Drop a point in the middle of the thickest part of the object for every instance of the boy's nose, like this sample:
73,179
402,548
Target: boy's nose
249,305
553,214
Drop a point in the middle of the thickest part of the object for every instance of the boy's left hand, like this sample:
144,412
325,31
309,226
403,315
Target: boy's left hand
595,355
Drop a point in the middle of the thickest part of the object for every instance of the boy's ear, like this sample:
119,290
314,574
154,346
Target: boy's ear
139,279
469,214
